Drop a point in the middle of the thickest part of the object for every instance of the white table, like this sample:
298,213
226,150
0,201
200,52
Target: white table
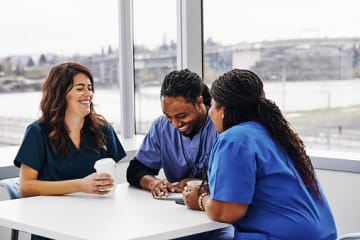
130,214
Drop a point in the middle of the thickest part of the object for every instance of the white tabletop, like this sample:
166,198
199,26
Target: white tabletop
130,214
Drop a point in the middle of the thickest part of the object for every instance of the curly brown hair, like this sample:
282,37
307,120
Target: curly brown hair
241,94
53,105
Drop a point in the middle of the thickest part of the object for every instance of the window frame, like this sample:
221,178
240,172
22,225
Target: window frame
189,51
190,55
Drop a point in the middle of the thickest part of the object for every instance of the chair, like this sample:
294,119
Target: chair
349,236
9,189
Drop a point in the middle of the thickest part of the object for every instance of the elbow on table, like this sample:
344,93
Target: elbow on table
224,218
225,212
26,189
24,192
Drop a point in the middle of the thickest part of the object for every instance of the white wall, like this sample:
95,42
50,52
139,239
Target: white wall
342,190
121,167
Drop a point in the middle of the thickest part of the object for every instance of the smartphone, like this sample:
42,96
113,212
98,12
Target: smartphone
171,196
180,201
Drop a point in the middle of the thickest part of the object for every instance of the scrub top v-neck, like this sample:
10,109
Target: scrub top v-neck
36,152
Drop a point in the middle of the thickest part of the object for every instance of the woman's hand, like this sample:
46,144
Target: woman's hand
182,183
220,211
97,183
162,187
191,196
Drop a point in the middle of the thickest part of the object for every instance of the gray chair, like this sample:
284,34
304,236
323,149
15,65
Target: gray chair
9,189
349,236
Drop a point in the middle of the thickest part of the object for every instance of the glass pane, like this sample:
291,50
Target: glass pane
37,34
308,54
154,56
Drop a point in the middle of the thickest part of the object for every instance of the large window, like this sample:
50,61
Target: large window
154,56
307,53
35,35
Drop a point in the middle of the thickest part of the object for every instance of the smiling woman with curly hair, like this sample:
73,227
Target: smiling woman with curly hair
59,150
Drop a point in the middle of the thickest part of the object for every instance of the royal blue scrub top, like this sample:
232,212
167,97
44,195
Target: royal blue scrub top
36,152
164,147
247,167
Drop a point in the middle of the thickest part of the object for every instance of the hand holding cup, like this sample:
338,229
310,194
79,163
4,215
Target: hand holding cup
106,165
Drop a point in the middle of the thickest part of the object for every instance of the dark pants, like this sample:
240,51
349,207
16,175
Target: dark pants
219,234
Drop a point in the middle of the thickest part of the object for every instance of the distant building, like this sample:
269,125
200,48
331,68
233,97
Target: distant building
17,63
150,67
104,68
293,60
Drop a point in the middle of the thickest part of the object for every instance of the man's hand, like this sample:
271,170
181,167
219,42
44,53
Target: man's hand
162,187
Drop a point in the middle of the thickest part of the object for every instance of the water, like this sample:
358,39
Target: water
314,95
291,96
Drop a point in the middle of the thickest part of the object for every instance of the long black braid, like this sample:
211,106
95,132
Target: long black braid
241,94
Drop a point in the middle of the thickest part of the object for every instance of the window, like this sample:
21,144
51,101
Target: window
154,56
37,34
307,53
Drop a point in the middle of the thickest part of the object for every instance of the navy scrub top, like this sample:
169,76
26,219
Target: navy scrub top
35,151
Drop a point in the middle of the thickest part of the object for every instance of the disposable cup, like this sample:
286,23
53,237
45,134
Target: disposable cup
106,165
194,183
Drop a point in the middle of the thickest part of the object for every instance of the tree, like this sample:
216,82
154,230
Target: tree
110,51
19,71
30,62
42,60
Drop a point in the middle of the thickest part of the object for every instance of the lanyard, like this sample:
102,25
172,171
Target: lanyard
194,170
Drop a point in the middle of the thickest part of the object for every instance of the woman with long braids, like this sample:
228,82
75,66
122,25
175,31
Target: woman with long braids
260,178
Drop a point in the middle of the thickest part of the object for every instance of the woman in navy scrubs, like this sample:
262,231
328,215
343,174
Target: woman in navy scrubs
59,150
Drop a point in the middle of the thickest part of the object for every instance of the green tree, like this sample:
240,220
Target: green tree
42,60
30,62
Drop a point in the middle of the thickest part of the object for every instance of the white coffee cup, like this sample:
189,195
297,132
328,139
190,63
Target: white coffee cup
194,183
106,165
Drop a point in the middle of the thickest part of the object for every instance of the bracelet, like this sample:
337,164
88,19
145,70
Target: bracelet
201,197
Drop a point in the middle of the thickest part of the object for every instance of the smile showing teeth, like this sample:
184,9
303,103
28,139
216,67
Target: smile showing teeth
85,102
183,128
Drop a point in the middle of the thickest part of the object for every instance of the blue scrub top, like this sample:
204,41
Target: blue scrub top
36,152
162,148
247,167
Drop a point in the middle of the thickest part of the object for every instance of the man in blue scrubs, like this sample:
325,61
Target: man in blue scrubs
179,142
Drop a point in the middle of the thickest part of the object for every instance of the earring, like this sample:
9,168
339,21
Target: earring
222,116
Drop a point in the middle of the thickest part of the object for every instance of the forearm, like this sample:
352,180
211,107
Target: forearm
148,182
223,211
30,188
136,171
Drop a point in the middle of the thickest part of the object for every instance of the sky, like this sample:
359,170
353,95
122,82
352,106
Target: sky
67,27
61,26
